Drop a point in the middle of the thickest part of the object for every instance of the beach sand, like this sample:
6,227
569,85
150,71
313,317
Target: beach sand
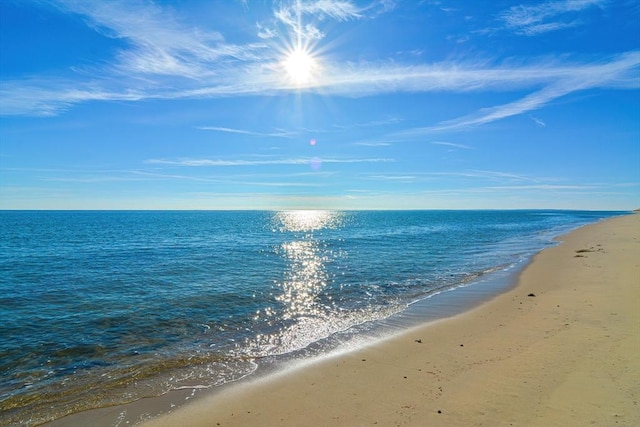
568,356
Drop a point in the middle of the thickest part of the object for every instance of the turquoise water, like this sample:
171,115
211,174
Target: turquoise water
100,308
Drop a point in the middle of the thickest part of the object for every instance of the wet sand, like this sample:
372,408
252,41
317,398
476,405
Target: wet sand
562,348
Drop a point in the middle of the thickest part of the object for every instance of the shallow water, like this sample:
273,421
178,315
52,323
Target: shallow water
102,308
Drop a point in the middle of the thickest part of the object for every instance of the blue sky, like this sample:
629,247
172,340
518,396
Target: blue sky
392,104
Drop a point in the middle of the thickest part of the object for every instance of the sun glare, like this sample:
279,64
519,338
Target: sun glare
299,65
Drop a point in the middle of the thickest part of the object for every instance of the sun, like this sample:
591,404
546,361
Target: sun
300,66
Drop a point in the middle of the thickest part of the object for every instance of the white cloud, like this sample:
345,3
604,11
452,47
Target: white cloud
46,96
160,42
266,33
292,14
621,72
336,9
549,16
533,30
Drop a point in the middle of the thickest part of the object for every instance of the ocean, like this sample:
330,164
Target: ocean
105,307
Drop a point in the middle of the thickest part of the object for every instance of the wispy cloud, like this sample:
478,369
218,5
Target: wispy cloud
265,32
372,144
168,59
488,175
278,134
304,32
500,175
336,9
547,187
538,122
48,96
535,19
42,96
261,162
238,177
95,176
281,133
278,184
451,144
369,124
165,58
160,43
91,179
620,72
394,178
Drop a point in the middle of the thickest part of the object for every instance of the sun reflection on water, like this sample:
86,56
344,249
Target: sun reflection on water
306,276
305,310
305,280
308,220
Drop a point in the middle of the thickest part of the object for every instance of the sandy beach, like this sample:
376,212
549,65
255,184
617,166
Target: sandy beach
562,348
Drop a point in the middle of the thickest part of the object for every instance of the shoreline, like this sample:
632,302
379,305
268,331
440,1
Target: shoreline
566,356
445,303
417,376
